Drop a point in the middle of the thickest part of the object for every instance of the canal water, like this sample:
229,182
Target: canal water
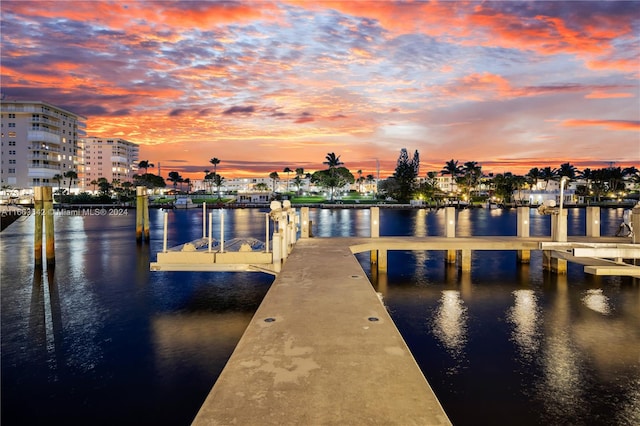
102,340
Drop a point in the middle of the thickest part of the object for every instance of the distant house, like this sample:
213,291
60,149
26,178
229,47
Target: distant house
254,198
537,197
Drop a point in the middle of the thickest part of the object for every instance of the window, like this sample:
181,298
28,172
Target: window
12,116
12,171
12,143
12,152
12,161
12,124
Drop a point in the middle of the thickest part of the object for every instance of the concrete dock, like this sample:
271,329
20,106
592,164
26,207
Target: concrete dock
321,350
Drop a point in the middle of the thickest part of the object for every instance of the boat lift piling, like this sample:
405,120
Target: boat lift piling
142,214
43,206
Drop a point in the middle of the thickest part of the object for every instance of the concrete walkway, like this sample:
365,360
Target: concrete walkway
321,350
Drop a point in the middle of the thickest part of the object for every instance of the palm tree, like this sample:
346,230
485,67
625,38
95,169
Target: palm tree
568,170
104,185
71,175
215,163
451,168
472,174
534,176
261,187
360,180
548,174
332,160
217,181
94,183
145,164
58,178
297,181
274,177
287,170
175,178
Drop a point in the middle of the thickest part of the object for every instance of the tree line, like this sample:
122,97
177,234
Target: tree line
404,185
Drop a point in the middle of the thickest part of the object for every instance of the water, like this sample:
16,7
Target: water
103,340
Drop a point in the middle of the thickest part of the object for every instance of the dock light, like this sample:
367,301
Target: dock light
451,222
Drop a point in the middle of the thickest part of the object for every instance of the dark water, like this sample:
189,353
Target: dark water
102,340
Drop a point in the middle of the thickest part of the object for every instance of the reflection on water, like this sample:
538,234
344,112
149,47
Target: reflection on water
450,323
525,316
595,300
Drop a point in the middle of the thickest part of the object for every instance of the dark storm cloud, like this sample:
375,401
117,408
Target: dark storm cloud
239,110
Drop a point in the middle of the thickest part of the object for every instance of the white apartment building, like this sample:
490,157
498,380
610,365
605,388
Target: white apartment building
109,158
39,141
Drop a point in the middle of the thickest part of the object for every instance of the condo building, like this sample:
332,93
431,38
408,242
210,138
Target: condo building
39,141
114,159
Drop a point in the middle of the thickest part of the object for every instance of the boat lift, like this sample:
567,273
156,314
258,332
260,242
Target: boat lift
237,254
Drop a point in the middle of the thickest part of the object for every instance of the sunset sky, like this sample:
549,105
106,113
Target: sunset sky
265,85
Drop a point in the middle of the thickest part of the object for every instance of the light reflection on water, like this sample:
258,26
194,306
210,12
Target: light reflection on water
450,323
525,316
595,300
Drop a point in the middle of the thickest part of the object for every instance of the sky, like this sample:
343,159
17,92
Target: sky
265,85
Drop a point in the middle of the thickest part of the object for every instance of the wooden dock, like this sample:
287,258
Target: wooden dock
321,350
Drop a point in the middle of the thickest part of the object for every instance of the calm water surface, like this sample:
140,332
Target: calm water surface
102,340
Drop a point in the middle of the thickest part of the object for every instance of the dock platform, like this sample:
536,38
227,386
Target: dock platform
321,349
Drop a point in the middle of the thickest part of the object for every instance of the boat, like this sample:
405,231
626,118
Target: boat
184,203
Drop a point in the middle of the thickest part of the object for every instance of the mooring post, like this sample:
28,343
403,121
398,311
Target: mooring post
221,231
47,205
304,221
524,256
139,213
558,234
145,216
635,223
39,217
210,247
204,219
559,226
266,233
285,229
593,221
164,229
465,260
277,247
450,230
374,213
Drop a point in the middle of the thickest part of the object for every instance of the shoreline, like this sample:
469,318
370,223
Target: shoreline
61,206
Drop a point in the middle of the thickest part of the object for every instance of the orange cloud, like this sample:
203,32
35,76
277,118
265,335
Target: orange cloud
609,124
604,95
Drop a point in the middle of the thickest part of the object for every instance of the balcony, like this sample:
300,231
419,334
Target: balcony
44,171
45,156
40,147
43,136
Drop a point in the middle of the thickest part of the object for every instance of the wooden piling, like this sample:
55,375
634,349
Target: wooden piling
145,216
524,256
139,213
635,223
450,231
374,225
593,221
304,222
39,211
47,205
